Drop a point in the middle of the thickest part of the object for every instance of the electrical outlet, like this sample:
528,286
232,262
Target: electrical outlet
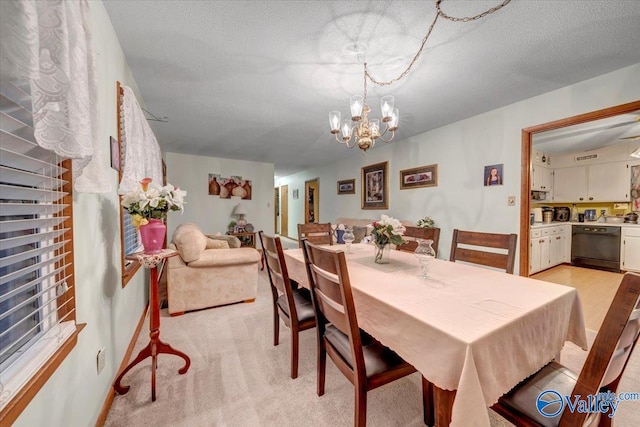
511,201
101,359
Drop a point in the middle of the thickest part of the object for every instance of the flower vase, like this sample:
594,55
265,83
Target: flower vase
152,235
382,253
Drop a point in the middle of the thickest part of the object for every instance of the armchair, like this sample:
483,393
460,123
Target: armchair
207,273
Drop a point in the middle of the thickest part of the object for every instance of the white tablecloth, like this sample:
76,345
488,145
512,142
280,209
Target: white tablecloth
466,328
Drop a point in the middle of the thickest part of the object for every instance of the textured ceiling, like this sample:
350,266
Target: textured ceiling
255,80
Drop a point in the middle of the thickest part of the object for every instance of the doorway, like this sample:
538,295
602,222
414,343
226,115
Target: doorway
284,211
526,166
312,201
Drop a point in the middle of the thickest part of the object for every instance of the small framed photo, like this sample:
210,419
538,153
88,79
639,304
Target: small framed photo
348,186
115,153
296,194
423,176
375,186
493,175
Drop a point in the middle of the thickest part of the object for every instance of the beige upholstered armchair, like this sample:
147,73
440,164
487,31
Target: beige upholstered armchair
208,273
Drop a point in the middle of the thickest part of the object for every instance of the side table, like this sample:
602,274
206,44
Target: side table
155,346
248,239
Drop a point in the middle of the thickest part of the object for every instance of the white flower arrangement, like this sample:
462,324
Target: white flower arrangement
388,230
426,222
152,201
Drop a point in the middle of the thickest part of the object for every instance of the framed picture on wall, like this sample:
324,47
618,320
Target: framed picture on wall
375,186
348,186
493,175
423,176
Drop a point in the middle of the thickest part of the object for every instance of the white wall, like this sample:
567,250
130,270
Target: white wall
461,150
211,213
74,395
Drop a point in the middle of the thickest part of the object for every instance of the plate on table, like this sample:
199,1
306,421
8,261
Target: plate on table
249,228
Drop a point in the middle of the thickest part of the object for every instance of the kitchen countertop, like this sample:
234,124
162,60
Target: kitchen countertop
608,224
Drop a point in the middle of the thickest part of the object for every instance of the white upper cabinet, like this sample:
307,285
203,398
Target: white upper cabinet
570,184
603,182
542,179
609,182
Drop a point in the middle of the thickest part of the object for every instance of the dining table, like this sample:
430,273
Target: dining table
473,332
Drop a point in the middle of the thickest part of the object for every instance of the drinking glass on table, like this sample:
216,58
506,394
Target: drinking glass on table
425,254
348,238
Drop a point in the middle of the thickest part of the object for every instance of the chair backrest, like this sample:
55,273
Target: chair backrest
612,347
507,242
413,233
318,234
277,270
332,296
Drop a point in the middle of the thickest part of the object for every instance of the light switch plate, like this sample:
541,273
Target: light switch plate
511,201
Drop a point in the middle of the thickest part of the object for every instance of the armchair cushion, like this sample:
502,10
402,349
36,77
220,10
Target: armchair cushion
190,241
217,244
232,241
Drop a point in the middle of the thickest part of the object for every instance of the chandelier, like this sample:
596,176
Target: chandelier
362,131
365,130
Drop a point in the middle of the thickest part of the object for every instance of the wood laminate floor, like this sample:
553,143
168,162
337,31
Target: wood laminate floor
596,289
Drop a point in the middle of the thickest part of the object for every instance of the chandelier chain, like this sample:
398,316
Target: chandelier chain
424,41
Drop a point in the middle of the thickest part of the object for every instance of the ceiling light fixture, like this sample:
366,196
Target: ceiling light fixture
365,131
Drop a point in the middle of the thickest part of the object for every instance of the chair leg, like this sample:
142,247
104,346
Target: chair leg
322,366
294,354
361,405
276,328
427,402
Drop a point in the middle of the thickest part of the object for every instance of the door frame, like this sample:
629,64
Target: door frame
284,210
316,200
526,167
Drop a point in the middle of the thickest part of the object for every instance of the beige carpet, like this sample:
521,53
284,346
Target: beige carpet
238,378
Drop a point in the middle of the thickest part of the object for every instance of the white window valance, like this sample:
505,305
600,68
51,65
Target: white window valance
49,42
142,154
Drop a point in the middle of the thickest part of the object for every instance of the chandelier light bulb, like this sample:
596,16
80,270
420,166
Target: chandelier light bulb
393,122
356,104
334,121
346,130
386,106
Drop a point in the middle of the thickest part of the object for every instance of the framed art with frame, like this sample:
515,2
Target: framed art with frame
348,186
375,186
423,176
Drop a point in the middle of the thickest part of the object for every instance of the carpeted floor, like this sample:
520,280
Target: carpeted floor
238,378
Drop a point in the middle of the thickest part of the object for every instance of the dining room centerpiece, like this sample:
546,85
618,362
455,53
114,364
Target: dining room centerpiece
148,206
426,222
385,232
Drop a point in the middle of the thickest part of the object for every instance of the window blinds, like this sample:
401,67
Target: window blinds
36,270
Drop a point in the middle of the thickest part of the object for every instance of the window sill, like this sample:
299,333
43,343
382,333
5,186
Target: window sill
128,272
47,366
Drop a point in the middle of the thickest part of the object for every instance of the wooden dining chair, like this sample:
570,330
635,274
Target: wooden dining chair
489,258
360,357
413,233
291,303
318,234
601,372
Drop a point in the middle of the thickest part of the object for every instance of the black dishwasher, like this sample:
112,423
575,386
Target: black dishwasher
595,246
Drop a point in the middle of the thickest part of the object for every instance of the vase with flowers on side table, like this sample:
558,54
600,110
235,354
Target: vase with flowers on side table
385,232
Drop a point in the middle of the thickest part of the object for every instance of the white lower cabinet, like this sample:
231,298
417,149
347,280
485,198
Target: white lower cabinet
549,246
630,251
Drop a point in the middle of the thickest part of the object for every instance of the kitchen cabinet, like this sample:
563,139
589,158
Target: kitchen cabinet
608,182
542,179
549,246
604,182
630,250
